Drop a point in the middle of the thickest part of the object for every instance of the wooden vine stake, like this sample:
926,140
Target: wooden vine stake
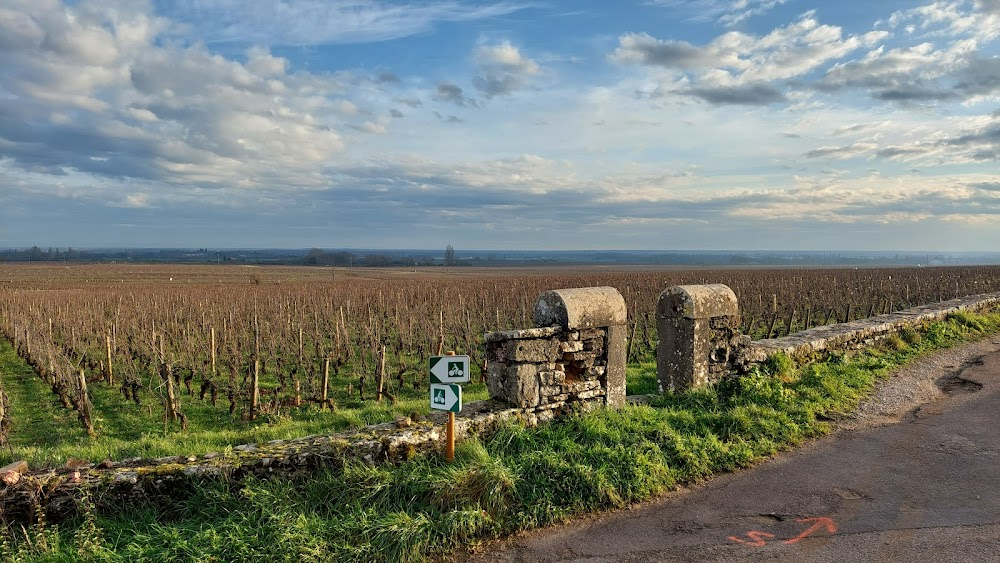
111,373
326,380
255,390
380,375
85,409
214,371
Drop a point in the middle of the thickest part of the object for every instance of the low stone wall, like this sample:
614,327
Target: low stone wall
814,343
542,370
575,357
59,490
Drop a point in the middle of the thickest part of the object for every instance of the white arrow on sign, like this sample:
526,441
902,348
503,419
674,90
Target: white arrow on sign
446,397
449,369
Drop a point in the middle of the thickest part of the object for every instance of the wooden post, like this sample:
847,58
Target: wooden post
326,379
440,332
166,374
255,390
449,452
86,416
111,372
380,375
213,353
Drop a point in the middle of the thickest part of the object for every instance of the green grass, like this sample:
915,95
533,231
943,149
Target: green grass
45,434
520,478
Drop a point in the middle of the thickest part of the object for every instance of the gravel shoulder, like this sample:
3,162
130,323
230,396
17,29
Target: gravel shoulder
921,382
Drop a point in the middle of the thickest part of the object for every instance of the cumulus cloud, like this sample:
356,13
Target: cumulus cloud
502,69
94,90
739,68
919,73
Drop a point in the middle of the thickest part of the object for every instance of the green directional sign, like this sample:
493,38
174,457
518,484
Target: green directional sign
449,369
446,397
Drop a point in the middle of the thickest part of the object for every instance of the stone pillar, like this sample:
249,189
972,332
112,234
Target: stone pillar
698,328
580,312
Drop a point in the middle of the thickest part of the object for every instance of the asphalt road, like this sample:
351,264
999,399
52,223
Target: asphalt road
925,489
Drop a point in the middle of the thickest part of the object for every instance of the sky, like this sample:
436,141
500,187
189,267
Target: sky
584,124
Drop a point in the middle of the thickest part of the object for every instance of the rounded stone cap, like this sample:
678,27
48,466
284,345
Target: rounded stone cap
581,307
698,301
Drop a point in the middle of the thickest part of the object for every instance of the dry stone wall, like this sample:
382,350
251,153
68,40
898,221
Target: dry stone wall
574,358
816,342
698,327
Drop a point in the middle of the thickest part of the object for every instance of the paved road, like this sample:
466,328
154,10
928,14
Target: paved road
926,489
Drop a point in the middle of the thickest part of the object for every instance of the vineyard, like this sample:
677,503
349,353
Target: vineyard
149,360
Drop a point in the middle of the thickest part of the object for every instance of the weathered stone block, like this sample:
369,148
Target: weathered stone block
591,394
580,357
552,377
695,325
571,346
516,384
534,351
580,308
523,334
614,374
594,345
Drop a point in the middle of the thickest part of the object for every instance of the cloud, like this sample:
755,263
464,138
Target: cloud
93,89
950,18
953,144
920,73
453,94
740,68
502,69
723,12
988,6
849,151
749,94
318,22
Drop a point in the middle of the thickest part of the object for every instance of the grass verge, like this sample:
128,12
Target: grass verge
518,479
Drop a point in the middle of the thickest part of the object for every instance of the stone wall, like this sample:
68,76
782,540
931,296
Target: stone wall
820,341
574,358
698,326
700,342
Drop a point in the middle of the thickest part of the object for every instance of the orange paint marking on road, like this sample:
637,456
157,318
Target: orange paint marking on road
820,523
757,538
